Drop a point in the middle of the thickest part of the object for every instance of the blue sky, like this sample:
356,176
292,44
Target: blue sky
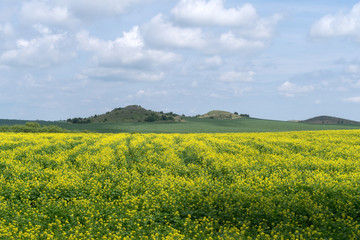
284,60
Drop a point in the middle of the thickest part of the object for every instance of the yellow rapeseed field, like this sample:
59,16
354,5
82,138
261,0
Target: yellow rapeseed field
293,185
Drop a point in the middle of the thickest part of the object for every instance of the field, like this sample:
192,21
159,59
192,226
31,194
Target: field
290,185
193,125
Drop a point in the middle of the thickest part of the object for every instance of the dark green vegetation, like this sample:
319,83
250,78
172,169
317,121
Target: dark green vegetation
132,113
216,114
32,127
330,120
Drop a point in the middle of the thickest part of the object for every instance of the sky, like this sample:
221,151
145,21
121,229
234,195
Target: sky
281,60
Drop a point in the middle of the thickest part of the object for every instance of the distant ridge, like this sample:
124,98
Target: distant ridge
217,114
330,120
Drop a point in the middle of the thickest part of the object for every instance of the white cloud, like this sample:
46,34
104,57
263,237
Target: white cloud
340,24
213,12
291,90
124,50
42,51
352,100
263,28
159,32
237,76
229,41
41,11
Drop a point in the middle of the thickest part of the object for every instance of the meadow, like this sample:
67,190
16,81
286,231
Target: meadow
288,185
194,125
191,125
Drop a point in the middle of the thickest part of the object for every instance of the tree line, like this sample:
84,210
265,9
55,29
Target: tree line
33,127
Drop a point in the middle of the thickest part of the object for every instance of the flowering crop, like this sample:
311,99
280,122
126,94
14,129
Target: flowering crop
293,185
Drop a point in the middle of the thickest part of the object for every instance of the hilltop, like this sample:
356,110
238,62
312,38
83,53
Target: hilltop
330,120
217,114
132,113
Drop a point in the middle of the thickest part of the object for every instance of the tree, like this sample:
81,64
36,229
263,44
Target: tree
32,125
151,118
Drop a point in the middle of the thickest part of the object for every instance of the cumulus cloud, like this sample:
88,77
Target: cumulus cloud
340,24
43,51
233,76
213,12
291,89
159,31
126,57
127,50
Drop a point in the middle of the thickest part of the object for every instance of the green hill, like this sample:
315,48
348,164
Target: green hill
330,120
217,114
132,113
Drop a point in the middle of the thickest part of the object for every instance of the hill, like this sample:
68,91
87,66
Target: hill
132,113
330,120
217,114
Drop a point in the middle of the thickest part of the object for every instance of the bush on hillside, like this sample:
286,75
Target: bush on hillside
152,118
